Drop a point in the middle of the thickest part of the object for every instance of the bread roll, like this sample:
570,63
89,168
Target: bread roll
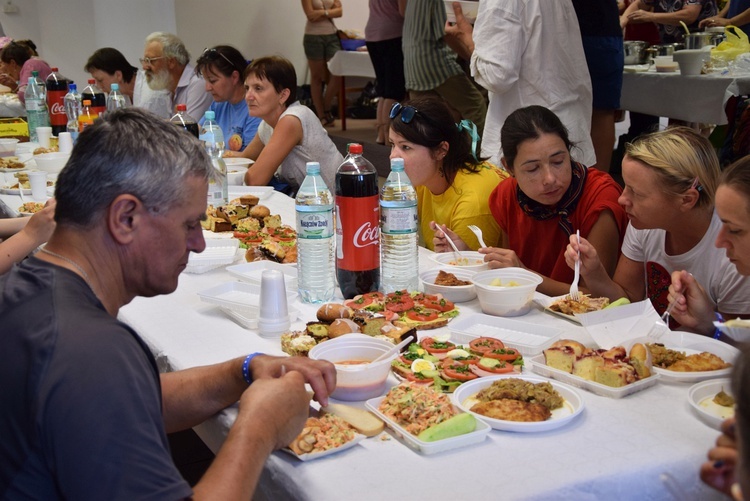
342,326
331,311
640,359
260,211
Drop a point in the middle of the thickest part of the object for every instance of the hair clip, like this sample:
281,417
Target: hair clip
471,128
696,185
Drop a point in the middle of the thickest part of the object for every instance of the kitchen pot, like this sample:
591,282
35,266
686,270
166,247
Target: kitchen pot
698,40
663,49
635,52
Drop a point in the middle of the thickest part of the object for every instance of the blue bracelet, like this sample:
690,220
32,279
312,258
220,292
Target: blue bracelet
246,367
719,318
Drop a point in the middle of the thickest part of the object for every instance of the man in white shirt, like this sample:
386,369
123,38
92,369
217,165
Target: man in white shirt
166,62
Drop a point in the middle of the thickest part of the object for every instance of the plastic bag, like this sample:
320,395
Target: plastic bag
736,43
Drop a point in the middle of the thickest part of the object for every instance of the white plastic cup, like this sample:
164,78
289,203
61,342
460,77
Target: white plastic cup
38,182
44,135
273,314
64,142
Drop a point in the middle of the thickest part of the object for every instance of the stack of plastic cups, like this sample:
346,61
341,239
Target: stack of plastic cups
273,317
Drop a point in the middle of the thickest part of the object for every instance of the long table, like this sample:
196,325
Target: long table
697,98
616,449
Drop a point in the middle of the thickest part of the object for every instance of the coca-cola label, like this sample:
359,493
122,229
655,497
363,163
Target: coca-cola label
358,233
56,105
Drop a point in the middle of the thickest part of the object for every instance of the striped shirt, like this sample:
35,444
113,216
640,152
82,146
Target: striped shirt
428,62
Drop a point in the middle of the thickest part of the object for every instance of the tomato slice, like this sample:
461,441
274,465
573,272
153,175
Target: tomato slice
470,360
376,296
419,378
433,346
459,372
484,344
481,370
399,301
359,302
422,315
507,354
440,305
420,297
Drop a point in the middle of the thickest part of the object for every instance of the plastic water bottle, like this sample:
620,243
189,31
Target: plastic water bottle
36,109
185,121
213,140
116,99
399,261
40,84
72,103
315,238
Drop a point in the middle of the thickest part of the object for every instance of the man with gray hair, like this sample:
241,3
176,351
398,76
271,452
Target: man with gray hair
166,62
83,410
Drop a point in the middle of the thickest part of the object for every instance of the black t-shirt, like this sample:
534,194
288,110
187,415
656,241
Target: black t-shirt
598,18
80,400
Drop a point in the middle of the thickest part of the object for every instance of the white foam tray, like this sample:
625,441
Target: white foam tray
219,252
253,272
241,297
262,192
529,339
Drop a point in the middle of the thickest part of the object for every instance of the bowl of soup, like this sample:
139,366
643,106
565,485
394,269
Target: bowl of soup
465,260
357,378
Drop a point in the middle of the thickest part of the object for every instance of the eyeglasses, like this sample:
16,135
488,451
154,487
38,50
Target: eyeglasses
149,60
216,51
407,112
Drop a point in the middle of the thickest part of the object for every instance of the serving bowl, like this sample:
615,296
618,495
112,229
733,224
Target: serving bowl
356,378
455,293
475,260
512,298
690,60
51,162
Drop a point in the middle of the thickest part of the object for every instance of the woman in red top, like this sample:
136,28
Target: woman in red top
548,198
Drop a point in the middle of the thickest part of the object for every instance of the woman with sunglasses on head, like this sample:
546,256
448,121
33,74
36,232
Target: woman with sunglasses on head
670,181
290,134
440,157
223,67
548,199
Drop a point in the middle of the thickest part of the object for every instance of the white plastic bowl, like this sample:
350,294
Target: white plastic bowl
356,382
457,294
236,164
510,301
51,162
476,260
8,146
690,61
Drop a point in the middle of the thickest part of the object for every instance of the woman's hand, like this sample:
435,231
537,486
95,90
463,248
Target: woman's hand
589,258
501,258
714,21
694,309
719,471
439,241
641,16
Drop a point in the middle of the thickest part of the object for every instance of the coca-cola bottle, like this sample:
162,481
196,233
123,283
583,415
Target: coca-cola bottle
357,228
182,119
97,97
57,87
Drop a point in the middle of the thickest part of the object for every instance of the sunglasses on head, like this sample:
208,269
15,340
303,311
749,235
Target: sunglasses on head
216,51
407,112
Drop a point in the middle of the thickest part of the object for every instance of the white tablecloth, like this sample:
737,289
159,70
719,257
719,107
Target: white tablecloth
616,449
699,98
351,64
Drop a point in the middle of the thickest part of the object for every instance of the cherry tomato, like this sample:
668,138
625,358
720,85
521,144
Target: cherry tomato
440,305
432,346
484,344
422,315
507,354
459,372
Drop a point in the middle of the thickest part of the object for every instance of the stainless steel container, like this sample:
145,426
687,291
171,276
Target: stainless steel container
664,49
698,40
635,52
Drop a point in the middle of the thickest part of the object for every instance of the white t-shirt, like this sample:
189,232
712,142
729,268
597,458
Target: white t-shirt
316,146
708,264
531,53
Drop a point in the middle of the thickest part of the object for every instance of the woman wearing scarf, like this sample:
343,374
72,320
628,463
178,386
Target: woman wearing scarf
670,183
440,157
549,198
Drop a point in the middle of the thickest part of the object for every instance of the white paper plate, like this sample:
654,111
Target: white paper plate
476,436
690,344
253,272
541,368
701,397
262,192
317,455
739,334
572,406
241,297
530,339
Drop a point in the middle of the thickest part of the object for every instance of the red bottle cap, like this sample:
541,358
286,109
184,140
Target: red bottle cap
181,107
355,148
92,81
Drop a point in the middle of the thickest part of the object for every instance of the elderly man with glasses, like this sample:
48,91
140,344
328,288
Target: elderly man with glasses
166,62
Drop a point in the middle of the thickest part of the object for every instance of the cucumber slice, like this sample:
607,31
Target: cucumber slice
457,425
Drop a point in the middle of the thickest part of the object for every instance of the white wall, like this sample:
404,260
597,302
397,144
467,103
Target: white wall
67,32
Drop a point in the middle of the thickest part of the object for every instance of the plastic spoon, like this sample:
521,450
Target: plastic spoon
395,349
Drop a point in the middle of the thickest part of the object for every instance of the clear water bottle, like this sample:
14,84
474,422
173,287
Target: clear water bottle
72,101
315,238
185,121
116,99
40,85
213,140
399,261
36,109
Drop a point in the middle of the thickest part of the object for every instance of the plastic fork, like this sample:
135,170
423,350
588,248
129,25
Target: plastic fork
456,252
662,325
478,232
574,294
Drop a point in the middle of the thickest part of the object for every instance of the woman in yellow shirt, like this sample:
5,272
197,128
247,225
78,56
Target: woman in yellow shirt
440,157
